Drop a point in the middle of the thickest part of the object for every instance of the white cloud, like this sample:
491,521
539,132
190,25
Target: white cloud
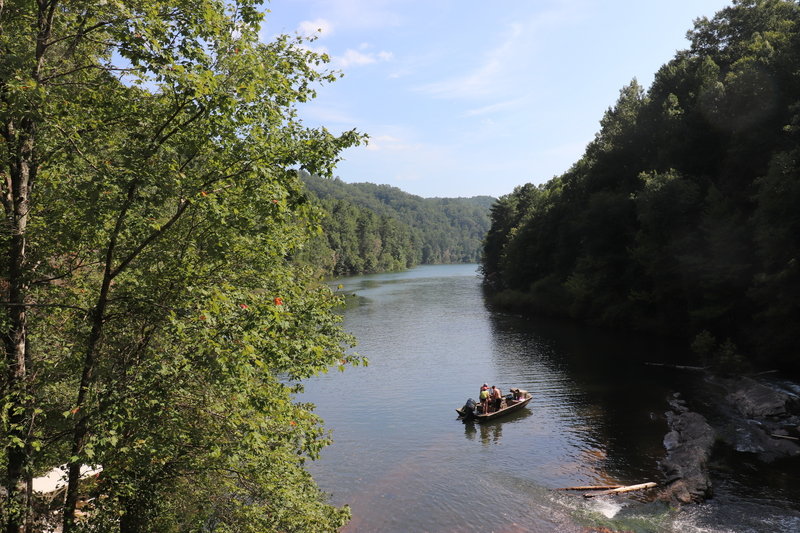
318,27
316,49
507,64
487,78
390,143
357,58
354,58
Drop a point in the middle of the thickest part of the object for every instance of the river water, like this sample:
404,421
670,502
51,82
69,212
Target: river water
404,463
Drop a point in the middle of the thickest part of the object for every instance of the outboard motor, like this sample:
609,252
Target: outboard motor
468,411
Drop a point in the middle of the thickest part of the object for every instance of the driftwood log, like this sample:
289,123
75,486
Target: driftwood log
678,367
592,487
620,490
783,437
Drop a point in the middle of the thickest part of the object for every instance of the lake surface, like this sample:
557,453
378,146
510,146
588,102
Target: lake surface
404,462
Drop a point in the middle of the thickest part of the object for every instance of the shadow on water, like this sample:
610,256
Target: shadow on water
616,414
595,385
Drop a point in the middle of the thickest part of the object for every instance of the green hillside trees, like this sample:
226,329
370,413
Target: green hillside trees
376,228
678,218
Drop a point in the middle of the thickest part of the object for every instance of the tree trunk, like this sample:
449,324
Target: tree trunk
18,402
20,168
81,429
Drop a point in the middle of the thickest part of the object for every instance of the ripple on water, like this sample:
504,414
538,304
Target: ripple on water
404,463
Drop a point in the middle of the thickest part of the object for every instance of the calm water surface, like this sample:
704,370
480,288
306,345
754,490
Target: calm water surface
404,462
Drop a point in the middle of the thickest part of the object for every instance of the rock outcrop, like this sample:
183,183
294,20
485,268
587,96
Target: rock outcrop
757,417
756,400
750,416
688,446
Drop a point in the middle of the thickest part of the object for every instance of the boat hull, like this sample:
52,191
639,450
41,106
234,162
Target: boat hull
496,414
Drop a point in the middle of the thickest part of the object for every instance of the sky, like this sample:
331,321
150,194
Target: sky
463,98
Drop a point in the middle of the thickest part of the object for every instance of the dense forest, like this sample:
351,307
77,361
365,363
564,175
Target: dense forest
377,228
153,325
682,215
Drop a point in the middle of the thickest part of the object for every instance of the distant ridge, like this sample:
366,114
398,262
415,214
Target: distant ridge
377,228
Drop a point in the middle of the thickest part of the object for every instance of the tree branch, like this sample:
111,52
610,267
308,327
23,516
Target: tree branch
78,69
58,306
182,207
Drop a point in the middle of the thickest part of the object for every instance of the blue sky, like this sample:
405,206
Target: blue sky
465,98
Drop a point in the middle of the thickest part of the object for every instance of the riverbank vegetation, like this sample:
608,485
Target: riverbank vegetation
371,228
152,325
681,217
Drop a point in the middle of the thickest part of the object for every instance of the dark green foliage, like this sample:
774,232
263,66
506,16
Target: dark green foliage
681,218
377,228
152,322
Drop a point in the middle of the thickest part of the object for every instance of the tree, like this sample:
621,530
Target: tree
679,217
506,214
377,228
151,207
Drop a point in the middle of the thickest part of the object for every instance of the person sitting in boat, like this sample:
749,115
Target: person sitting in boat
497,398
484,397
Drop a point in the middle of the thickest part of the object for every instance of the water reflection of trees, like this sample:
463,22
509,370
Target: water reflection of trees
598,384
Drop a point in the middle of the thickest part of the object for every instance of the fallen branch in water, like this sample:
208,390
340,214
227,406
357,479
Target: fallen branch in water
679,367
592,487
784,436
620,490
765,372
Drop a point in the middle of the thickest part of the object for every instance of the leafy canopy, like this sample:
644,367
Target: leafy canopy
154,323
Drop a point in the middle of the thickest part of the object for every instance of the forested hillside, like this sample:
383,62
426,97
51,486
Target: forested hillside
682,216
377,228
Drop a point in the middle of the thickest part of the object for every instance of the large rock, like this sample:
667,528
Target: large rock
754,413
688,446
756,417
757,400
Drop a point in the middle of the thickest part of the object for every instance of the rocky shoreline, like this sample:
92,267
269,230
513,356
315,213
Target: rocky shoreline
749,415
